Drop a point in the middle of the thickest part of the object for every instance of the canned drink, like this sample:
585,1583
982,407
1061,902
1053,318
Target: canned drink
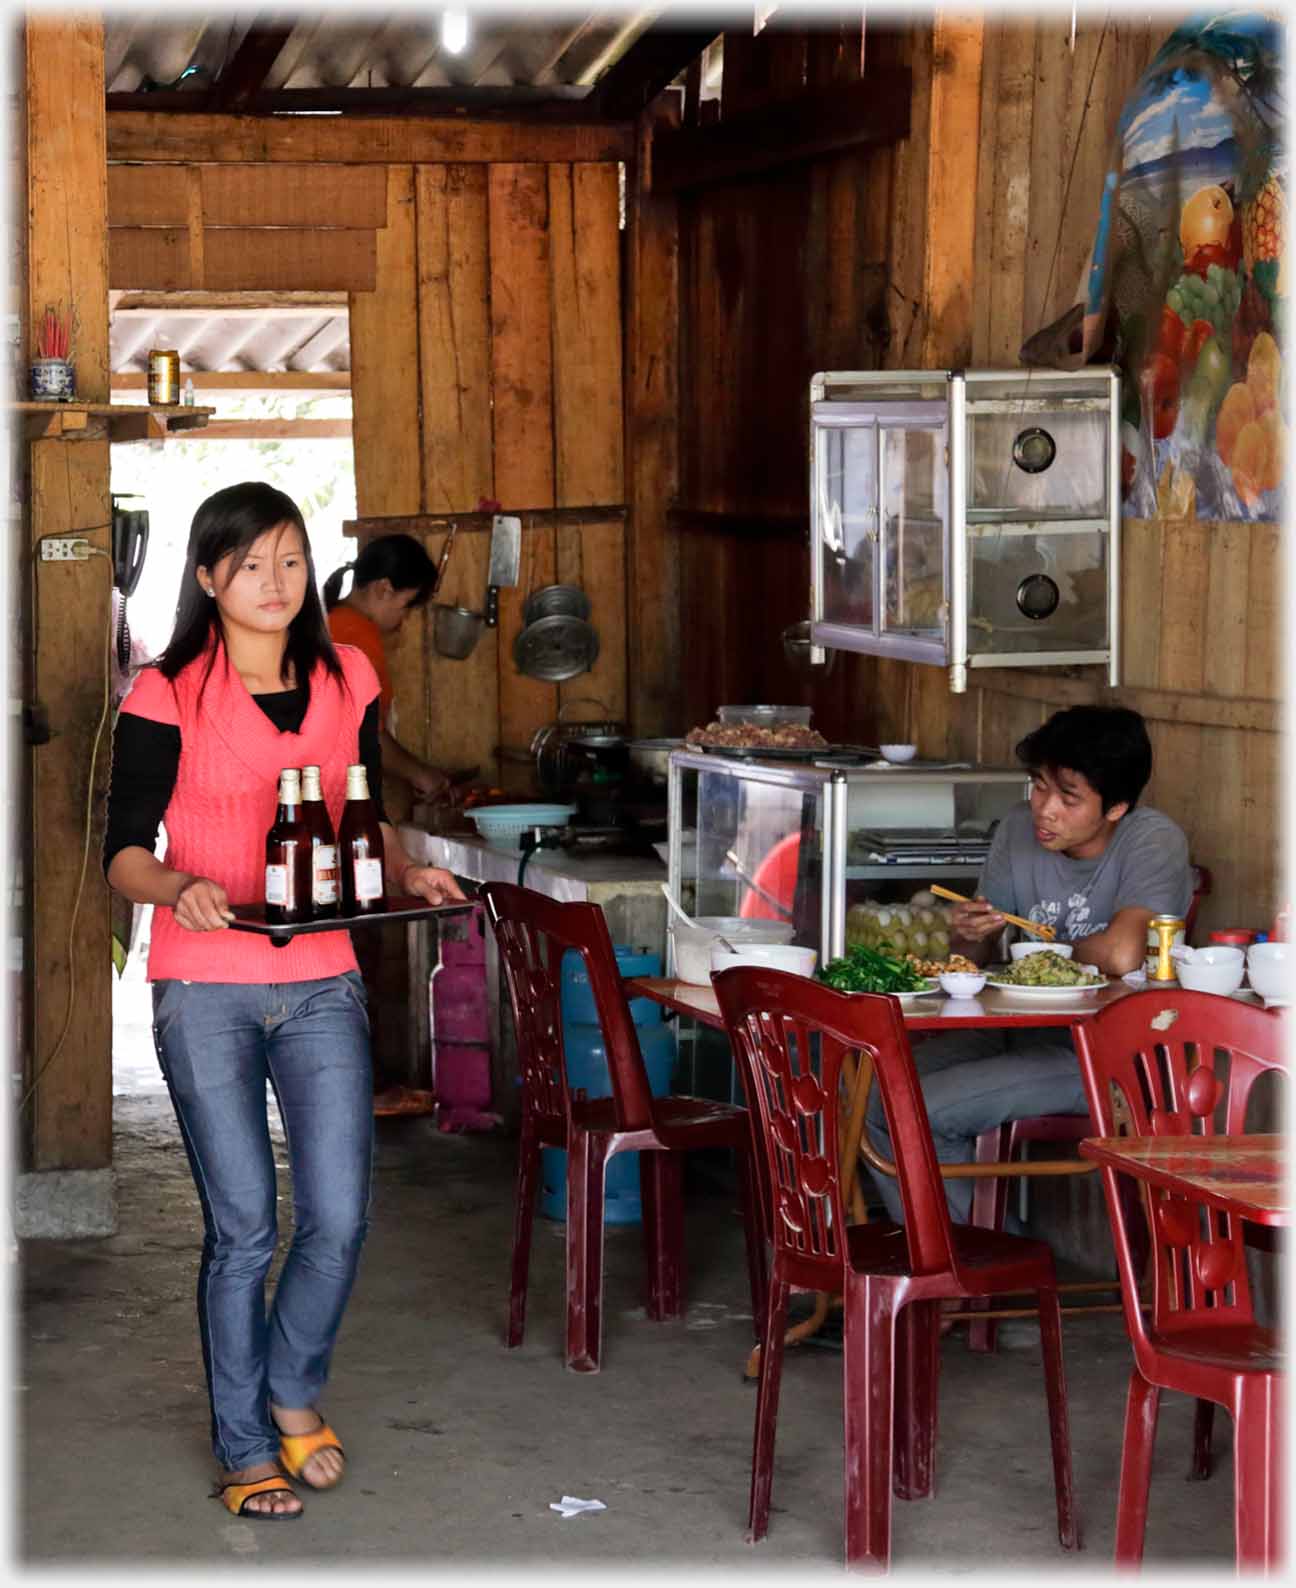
163,376
1164,933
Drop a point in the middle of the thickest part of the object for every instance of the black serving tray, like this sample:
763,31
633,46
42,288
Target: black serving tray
406,908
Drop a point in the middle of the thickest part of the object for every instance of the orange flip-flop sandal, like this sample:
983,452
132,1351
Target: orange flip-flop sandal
295,1450
234,1496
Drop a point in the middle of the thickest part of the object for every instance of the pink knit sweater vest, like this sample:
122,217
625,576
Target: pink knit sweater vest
224,803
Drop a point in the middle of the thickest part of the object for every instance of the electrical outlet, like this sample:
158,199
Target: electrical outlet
65,548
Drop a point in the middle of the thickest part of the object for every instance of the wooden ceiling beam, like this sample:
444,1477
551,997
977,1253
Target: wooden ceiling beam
390,140
241,80
653,61
296,380
520,101
208,304
874,111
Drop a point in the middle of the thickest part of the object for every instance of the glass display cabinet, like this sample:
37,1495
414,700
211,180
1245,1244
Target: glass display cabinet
816,843
806,840
966,519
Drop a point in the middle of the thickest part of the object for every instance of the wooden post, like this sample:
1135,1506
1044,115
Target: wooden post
652,450
67,1123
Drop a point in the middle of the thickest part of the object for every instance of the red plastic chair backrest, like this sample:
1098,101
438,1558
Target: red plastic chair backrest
791,1035
533,933
1179,1063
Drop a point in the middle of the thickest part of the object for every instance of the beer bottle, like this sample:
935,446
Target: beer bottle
324,856
361,849
288,857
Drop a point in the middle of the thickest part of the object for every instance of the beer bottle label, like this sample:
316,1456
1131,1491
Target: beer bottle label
276,891
325,890
368,879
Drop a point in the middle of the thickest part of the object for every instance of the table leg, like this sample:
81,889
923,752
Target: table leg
419,955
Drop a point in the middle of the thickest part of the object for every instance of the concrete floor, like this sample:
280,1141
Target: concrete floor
457,1447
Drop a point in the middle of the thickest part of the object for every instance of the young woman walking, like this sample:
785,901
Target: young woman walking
251,683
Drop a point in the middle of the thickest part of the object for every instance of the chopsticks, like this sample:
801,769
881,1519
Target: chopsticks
1048,933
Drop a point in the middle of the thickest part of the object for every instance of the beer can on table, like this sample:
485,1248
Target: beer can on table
163,376
1164,933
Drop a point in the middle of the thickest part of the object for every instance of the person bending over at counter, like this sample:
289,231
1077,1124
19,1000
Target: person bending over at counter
390,577
248,684
1081,856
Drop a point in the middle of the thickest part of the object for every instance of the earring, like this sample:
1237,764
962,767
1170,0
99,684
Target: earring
211,592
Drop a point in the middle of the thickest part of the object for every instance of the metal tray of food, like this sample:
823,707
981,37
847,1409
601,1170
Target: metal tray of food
403,908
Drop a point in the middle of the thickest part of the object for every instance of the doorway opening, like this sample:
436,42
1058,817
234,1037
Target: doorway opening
299,442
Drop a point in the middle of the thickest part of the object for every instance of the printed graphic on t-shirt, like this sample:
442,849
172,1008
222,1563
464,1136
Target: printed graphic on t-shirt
1072,917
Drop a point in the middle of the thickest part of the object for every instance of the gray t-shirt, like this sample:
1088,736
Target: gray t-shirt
1145,866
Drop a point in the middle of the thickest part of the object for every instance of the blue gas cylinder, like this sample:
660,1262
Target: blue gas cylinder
578,997
587,1070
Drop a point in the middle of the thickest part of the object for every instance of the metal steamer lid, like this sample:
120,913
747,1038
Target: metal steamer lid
556,648
556,600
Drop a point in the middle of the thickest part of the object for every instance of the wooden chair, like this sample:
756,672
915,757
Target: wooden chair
533,933
791,1037
1010,1142
1176,1063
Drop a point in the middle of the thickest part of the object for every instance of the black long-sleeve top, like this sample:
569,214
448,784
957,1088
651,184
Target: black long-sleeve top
146,761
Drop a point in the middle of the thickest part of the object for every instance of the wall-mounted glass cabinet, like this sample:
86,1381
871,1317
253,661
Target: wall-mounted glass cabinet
966,519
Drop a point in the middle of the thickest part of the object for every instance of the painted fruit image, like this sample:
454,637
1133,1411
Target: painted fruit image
1236,412
1161,393
1264,372
1206,218
1263,227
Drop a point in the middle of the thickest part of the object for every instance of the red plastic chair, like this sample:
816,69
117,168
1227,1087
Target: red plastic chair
1145,1075
1009,1141
533,934
791,1036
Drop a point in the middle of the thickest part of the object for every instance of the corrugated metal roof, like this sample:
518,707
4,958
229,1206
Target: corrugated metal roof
536,49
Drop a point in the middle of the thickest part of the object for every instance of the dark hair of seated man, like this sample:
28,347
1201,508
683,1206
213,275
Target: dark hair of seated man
1107,745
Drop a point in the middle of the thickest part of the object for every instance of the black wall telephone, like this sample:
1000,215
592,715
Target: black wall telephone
130,533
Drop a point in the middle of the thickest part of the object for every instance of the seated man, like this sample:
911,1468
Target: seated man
1077,856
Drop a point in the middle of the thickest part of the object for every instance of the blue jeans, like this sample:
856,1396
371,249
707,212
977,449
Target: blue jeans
218,1044
972,1081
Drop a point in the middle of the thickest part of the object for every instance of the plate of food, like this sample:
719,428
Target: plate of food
918,992
1046,976
862,969
777,741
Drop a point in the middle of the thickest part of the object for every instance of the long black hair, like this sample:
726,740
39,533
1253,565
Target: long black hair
400,558
229,522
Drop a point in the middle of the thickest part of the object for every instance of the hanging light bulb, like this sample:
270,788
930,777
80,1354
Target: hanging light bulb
454,31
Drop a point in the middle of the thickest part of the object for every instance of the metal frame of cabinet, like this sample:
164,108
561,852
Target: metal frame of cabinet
946,403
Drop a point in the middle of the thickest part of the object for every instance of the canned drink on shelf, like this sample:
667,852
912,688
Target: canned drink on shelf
163,377
1164,933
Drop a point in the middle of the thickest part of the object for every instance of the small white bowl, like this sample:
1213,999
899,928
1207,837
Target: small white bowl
962,983
1217,969
1020,950
766,956
898,754
1269,970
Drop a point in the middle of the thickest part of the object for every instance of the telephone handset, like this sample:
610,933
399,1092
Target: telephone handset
130,534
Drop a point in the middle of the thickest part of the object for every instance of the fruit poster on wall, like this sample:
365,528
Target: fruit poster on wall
1186,285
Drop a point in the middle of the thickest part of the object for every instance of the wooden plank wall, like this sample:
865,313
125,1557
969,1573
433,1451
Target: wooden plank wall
1200,601
860,255
501,307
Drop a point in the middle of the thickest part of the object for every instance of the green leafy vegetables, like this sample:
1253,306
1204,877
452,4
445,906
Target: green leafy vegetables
864,969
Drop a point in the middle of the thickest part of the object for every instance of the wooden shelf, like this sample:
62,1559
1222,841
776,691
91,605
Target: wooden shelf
121,421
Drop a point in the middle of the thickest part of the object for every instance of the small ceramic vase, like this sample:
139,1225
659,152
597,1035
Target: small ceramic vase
52,380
